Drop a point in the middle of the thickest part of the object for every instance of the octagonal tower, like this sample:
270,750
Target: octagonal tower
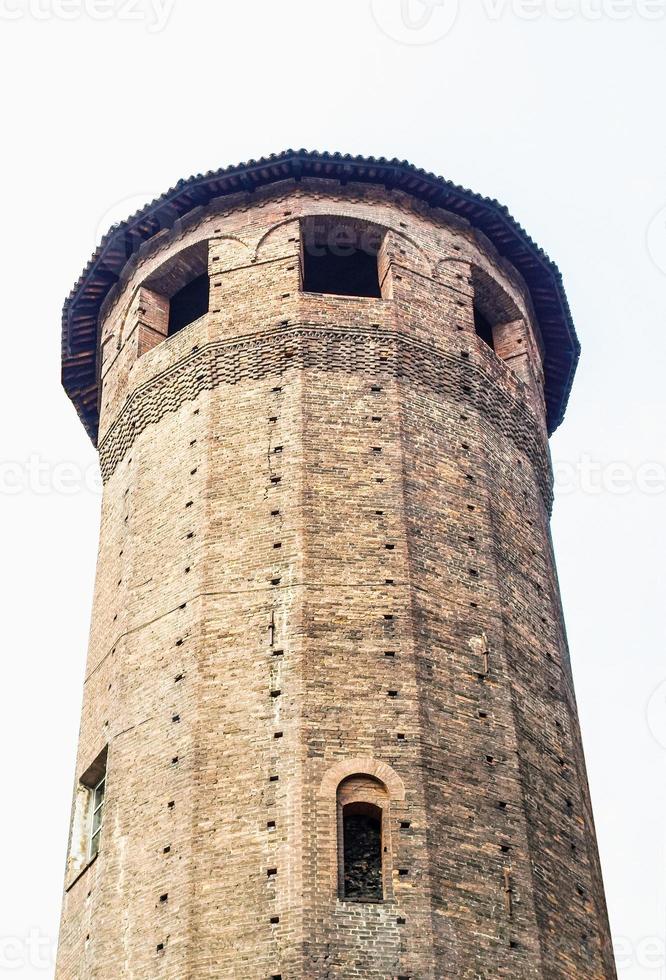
329,728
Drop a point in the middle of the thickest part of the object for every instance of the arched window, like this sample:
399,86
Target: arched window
363,845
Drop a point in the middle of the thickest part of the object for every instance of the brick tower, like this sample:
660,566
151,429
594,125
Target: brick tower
329,728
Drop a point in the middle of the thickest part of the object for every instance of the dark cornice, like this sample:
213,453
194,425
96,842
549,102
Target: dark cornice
82,308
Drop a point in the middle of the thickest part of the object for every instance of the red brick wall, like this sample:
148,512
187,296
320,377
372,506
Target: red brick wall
407,628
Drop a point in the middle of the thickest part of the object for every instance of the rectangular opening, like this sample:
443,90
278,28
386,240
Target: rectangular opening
483,328
189,303
362,852
339,257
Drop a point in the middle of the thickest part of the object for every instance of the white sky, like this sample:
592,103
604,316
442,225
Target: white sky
560,117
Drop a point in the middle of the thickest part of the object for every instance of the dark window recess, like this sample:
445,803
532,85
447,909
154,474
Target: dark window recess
188,304
342,275
483,328
341,260
362,842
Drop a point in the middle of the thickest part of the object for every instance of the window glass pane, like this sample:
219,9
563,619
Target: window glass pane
97,807
98,797
96,820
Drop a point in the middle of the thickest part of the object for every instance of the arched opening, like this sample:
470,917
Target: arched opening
493,310
362,878
184,282
364,853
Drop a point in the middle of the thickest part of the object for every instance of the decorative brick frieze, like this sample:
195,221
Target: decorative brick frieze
475,381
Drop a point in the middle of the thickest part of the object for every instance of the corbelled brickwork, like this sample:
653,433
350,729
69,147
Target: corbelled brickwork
325,579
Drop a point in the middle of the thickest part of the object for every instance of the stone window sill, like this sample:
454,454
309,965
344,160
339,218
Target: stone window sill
80,873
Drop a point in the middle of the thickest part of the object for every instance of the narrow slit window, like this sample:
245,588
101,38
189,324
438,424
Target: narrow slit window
362,852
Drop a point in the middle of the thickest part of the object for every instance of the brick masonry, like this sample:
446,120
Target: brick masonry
325,554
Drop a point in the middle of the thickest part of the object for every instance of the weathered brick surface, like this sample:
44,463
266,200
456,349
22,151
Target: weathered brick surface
407,628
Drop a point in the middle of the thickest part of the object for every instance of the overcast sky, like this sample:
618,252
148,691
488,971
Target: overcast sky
557,109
